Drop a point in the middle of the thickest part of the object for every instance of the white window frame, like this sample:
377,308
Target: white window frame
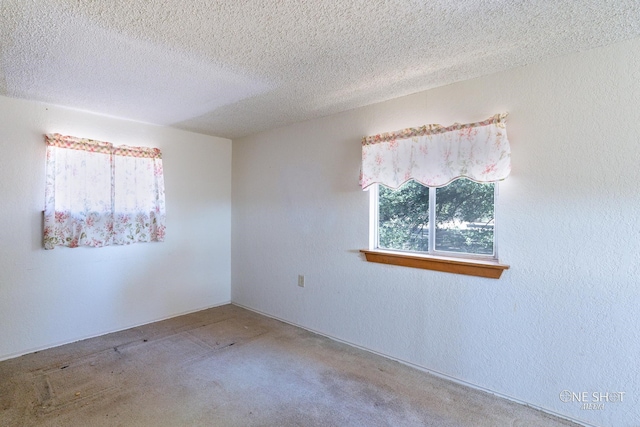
374,192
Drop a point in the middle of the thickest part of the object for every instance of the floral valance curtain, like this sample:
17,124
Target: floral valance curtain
98,194
434,155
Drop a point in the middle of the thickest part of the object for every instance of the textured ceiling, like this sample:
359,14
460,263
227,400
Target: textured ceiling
231,68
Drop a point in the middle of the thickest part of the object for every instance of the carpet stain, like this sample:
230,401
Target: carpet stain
230,367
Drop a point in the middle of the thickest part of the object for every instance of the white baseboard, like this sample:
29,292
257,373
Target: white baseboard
58,344
421,368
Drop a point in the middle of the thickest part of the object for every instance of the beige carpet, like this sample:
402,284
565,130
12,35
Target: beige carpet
227,366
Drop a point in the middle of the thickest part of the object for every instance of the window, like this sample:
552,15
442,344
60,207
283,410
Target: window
433,197
457,219
97,194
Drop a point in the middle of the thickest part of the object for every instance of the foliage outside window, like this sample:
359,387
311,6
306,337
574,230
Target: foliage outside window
456,220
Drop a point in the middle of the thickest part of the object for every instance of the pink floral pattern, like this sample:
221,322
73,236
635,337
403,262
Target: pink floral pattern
99,195
435,155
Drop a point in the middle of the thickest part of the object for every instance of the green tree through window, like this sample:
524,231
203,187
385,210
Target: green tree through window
463,212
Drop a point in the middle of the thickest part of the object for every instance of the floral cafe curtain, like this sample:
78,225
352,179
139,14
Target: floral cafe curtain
98,194
434,155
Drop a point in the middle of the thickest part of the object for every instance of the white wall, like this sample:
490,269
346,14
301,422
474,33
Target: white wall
58,296
564,317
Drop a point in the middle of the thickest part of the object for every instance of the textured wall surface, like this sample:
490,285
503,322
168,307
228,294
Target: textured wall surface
53,297
564,317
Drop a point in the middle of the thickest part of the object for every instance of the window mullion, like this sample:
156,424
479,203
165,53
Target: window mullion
432,219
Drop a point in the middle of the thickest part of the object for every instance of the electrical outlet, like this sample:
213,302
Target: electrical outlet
301,280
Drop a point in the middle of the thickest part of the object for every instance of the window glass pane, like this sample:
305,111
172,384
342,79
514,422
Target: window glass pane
465,217
403,217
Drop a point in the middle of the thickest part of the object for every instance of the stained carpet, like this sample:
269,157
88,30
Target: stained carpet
228,366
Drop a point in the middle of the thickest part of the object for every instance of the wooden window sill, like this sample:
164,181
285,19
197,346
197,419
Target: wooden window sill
471,267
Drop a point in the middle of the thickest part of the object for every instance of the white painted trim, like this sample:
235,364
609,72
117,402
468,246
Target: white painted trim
374,236
422,368
58,344
432,221
374,239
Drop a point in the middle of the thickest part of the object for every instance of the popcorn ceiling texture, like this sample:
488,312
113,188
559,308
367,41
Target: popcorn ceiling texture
231,68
